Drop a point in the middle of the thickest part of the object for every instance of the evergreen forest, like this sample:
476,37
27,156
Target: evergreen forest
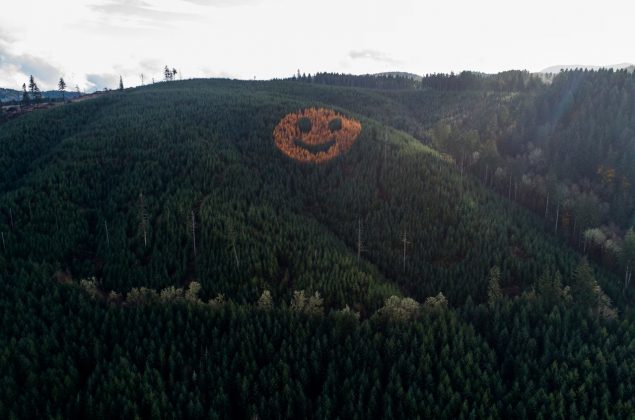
467,255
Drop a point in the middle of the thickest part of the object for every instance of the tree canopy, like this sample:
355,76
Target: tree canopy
161,257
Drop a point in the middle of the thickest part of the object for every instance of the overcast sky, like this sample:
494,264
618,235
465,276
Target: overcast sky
92,42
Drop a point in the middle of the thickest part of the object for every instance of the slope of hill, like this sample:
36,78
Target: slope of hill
113,208
551,147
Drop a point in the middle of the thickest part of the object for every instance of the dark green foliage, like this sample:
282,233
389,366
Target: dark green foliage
315,148
109,188
335,124
367,81
563,149
184,361
305,125
582,285
26,100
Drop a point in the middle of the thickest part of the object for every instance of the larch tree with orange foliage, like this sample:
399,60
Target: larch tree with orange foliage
315,135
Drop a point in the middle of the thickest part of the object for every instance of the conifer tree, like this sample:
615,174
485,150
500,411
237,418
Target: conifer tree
61,86
34,90
265,301
32,85
26,100
583,285
628,257
494,292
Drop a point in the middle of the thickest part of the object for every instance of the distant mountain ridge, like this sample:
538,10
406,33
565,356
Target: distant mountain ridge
558,68
7,95
403,74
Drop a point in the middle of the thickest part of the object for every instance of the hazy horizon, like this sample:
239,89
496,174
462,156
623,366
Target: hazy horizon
92,43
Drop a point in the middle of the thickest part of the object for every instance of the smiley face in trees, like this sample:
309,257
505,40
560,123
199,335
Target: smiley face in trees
315,135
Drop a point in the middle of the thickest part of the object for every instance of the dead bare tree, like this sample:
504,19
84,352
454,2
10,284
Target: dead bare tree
194,233
360,244
143,219
461,177
107,236
231,233
406,242
385,148
509,194
557,216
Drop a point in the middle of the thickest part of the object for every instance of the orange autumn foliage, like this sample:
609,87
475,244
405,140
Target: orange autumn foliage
290,139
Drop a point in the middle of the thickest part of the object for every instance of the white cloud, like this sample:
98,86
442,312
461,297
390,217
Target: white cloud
16,68
101,81
223,3
373,55
139,12
273,38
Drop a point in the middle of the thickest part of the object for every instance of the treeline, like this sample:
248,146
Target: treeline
366,81
510,81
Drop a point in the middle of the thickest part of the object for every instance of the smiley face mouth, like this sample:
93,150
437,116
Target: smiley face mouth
315,148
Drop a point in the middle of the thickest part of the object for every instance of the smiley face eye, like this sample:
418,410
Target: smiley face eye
315,135
335,124
305,125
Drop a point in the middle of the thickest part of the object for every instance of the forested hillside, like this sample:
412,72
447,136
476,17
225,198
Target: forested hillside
162,258
562,149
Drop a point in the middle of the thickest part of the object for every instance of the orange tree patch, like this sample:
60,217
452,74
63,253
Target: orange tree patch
315,135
